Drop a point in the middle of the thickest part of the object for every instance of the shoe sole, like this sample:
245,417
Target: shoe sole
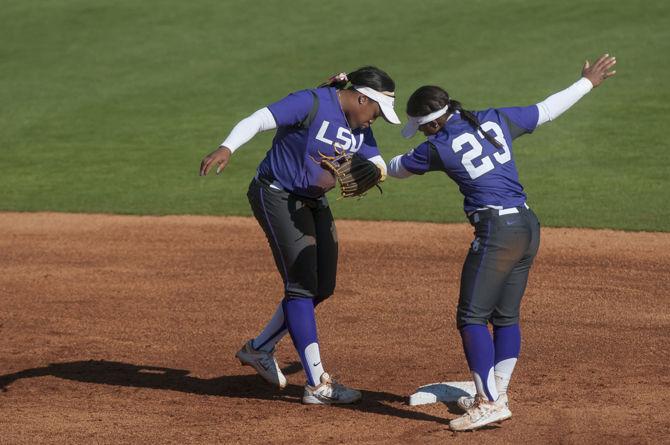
312,400
502,419
279,385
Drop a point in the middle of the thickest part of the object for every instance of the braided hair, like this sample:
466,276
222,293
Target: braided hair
367,76
428,99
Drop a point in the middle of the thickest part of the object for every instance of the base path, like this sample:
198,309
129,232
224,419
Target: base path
123,329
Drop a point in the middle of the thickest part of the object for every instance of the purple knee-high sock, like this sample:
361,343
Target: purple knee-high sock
275,329
479,352
507,341
301,324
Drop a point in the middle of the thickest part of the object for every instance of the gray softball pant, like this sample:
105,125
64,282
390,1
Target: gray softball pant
302,236
496,268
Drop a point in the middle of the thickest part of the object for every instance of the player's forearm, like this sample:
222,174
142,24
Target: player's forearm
556,104
247,128
396,169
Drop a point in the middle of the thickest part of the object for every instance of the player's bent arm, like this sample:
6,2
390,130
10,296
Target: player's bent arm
396,169
556,104
247,128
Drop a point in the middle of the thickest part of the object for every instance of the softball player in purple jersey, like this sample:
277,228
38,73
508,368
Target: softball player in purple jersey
475,150
288,199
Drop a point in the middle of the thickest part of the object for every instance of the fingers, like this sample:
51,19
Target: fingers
604,66
605,62
587,65
602,59
203,168
218,157
205,165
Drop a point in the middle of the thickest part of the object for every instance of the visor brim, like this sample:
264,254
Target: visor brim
409,129
389,114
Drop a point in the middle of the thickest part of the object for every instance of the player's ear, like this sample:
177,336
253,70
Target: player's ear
362,100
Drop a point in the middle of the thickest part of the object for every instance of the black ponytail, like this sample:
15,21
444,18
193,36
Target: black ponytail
367,76
428,99
469,116
338,81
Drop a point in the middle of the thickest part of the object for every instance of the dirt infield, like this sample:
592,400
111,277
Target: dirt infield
120,329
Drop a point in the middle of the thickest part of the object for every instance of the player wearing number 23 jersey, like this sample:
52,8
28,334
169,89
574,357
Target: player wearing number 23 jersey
486,175
474,148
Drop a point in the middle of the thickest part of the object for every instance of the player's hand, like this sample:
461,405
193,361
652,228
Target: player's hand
218,157
600,70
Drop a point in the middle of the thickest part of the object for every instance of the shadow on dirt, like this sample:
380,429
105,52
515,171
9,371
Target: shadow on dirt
242,386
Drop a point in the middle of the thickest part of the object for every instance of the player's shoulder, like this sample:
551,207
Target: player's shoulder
423,148
293,108
488,114
306,95
327,94
295,99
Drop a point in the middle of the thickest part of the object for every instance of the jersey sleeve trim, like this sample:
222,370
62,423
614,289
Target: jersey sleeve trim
514,129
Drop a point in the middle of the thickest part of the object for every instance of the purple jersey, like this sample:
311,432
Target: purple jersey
486,176
293,159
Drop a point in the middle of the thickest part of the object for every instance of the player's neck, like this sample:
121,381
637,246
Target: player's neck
345,98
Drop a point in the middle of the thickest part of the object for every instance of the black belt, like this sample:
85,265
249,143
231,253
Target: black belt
479,214
269,181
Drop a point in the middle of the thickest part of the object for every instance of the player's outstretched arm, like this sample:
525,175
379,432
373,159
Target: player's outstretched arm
592,76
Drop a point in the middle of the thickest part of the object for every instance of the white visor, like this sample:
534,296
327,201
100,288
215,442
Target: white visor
385,101
415,122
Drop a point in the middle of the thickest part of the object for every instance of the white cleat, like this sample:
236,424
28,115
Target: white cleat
481,414
328,392
263,362
467,402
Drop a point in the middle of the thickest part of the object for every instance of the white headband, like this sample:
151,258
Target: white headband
414,122
384,99
429,117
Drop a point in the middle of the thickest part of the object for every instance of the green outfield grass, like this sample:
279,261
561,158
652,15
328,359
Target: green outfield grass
109,106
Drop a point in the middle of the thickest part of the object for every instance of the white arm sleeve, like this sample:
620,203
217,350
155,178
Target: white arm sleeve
554,105
396,169
261,120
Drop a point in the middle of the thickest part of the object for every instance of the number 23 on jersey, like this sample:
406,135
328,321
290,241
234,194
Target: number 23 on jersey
474,155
